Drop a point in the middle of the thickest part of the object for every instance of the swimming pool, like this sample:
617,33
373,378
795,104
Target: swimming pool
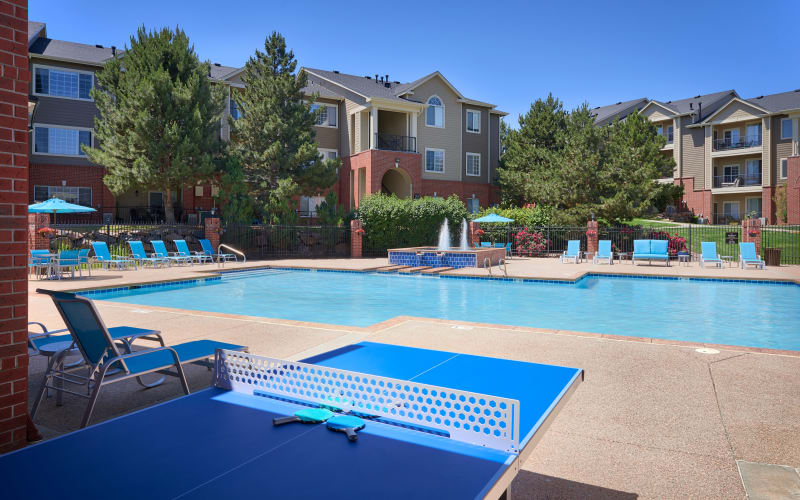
735,313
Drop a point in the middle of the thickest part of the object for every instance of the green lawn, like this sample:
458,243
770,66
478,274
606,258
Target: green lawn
788,240
649,223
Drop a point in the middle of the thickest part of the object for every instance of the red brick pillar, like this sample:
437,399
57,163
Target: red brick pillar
474,237
356,238
591,237
14,78
212,231
38,241
751,233
793,190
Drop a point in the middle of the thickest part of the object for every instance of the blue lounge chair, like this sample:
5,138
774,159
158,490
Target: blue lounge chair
508,250
160,250
83,258
709,254
604,252
486,244
650,250
67,261
39,262
137,250
106,363
183,251
573,252
747,256
104,257
209,250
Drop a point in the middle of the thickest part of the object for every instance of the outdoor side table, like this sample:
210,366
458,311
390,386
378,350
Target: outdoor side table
621,255
56,352
683,258
728,259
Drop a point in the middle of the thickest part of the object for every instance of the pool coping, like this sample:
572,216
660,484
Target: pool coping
376,327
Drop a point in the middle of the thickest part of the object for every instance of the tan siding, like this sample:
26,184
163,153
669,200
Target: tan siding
447,138
328,137
735,112
782,147
656,114
767,165
475,143
707,131
349,122
693,155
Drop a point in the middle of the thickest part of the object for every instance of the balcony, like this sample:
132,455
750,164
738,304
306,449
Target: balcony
750,141
735,181
391,142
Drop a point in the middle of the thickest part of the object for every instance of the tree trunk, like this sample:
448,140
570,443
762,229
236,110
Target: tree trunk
169,212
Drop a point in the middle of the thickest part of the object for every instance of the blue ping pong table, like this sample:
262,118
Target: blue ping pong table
220,442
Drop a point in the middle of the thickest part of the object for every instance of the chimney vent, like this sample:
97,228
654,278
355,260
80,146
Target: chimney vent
99,46
217,65
336,71
368,77
376,77
113,50
387,78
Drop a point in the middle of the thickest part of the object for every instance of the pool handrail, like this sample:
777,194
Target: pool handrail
221,262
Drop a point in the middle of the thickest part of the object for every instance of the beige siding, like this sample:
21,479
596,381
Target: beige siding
782,147
447,138
351,128
706,158
736,112
693,155
656,114
767,165
328,137
475,143
392,122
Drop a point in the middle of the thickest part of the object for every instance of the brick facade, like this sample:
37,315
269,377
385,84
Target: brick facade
212,227
14,78
751,233
768,204
356,239
38,241
699,202
591,237
793,190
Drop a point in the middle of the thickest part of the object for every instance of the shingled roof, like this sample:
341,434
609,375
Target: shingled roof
361,85
775,103
606,114
692,104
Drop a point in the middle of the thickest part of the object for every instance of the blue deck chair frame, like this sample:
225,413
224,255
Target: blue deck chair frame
103,256
604,253
39,262
137,250
209,250
83,258
573,252
106,363
67,261
160,250
708,254
747,256
183,251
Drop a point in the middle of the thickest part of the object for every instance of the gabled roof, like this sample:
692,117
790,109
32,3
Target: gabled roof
315,88
220,72
363,86
692,105
606,114
734,100
35,30
407,87
70,51
775,103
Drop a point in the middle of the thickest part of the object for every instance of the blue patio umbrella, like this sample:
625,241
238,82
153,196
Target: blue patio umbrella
493,218
57,206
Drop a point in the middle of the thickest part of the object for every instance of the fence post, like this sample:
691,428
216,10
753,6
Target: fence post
751,233
212,231
474,238
35,223
591,238
356,235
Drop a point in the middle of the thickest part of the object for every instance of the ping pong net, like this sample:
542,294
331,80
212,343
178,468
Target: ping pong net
474,418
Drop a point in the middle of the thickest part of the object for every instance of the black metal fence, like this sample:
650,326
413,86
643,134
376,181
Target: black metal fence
261,241
116,236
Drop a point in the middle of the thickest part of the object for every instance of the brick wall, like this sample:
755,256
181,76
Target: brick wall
212,226
38,241
14,78
768,204
751,233
793,190
73,175
356,239
699,202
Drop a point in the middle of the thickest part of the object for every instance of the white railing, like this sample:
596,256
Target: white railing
221,261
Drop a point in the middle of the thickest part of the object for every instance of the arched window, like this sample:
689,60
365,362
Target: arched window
434,116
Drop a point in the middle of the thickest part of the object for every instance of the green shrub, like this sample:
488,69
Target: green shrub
523,217
392,222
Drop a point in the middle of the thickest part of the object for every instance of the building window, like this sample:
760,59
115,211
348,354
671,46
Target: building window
434,116
434,160
730,173
60,141
63,83
730,209
309,205
198,190
753,207
327,115
731,137
660,129
753,137
474,121
70,194
752,173
473,205
328,154
670,134
786,128
235,112
784,169
473,164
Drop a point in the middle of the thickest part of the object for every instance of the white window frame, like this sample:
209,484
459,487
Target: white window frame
784,121
466,124
670,134
65,127
783,163
59,68
326,124
91,194
310,213
324,152
747,212
466,166
444,156
443,112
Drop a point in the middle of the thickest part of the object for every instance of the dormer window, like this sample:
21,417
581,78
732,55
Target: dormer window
434,116
61,82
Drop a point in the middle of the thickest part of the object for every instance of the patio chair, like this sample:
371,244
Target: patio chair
67,261
650,250
104,257
209,250
486,244
508,250
709,254
137,250
83,258
106,363
183,251
604,252
573,252
125,334
160,250
747,256
39,262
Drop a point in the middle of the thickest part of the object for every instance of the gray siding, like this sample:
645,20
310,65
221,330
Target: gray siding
475,143
494,146
693,153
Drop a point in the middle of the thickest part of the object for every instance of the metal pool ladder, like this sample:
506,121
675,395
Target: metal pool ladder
488,265
221,261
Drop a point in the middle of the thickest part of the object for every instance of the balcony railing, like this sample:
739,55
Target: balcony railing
391,142
723,181
749,141
722,218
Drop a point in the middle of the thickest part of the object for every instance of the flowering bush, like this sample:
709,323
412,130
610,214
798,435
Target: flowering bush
46,231
677,243
480,232
529,243
360,230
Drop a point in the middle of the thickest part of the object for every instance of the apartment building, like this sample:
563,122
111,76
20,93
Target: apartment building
730,153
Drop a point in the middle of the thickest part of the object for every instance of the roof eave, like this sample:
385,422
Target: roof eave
399,104
69,60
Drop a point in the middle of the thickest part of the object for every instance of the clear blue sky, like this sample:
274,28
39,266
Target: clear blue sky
506,53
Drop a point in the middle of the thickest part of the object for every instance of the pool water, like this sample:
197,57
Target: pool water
735,313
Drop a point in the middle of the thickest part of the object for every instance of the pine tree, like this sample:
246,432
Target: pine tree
158,126
274,138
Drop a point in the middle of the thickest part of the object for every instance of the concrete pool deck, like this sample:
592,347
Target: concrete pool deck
651,420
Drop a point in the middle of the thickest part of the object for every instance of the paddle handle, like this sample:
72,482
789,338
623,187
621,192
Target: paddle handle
351,434
284,420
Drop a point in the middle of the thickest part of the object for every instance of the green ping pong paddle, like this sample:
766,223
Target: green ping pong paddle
347,424
306,416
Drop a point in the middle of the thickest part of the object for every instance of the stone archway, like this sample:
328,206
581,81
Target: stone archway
396,181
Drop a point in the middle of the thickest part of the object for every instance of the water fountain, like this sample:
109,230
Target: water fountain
444,236
464,235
